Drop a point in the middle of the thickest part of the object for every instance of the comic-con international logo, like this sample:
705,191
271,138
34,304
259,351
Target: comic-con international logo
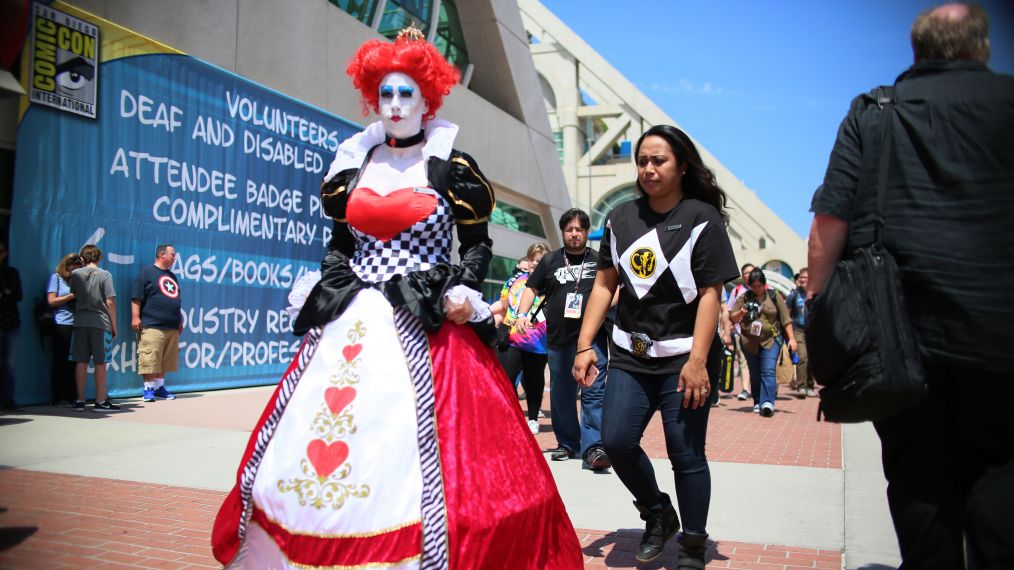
642,262
65,56
168,287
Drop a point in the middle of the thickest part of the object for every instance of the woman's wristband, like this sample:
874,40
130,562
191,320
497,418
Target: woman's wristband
583,350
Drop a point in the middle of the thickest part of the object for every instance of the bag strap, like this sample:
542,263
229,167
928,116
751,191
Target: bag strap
885,100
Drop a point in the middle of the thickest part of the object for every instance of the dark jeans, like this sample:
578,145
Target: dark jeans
948,463
532,367
61,378
8,348
630,402
577,437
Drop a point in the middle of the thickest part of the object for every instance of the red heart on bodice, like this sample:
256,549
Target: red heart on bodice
326,458
351,351
384,217
338,398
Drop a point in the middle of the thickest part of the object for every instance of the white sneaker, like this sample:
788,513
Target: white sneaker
743,395
533,426
756,408
541,415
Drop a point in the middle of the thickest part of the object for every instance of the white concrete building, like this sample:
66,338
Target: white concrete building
597,114
536,159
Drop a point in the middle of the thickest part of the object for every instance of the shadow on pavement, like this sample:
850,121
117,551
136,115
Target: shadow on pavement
12,536
624,544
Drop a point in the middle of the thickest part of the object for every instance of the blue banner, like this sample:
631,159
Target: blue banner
185,153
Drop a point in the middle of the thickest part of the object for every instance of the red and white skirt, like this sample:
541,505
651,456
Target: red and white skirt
385,446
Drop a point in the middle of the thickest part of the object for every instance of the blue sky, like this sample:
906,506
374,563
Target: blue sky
763,85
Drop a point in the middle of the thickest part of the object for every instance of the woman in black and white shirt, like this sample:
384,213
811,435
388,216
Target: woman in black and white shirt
669,254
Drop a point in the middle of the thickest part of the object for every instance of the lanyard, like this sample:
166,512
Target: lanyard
580,268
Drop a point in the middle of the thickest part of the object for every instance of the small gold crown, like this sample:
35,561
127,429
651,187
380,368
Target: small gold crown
411,33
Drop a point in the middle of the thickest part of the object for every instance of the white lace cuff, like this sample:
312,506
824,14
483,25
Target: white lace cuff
480,310
301,290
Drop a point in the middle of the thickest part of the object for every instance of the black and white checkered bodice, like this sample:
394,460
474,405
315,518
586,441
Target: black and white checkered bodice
418,247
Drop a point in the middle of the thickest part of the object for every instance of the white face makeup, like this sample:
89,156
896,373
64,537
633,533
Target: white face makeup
401,105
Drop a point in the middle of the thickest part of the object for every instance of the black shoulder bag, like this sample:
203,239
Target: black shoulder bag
862,348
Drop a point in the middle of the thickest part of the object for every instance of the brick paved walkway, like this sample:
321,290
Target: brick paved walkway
737,435
63,521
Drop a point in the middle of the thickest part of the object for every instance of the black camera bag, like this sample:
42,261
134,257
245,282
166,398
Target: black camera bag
862,347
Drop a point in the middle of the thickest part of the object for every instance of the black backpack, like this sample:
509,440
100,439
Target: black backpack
45,320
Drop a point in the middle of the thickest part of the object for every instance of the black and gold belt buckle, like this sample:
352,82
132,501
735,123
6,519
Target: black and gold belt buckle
639,343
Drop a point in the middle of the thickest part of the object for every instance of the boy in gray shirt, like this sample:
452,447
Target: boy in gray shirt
94,326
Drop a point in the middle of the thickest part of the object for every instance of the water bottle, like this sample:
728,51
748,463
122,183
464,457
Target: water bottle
794,355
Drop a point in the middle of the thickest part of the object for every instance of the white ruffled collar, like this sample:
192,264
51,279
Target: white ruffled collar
351,153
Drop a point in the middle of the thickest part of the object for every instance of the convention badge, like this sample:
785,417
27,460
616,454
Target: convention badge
572,310
755,328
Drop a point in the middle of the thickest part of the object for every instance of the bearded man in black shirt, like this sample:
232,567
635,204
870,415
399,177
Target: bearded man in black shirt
949,460
566,277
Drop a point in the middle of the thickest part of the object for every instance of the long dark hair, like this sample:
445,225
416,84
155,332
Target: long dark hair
699,181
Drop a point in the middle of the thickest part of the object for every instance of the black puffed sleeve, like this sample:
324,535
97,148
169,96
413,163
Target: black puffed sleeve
338,282
472,201
334,198
471,194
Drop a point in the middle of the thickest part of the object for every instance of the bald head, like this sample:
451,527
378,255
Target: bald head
951,31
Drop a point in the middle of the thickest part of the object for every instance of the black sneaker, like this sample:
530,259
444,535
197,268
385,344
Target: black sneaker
662,523
693,551
561,454
79,406
105,406
596,459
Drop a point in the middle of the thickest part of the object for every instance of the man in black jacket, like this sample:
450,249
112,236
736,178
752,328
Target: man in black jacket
949,460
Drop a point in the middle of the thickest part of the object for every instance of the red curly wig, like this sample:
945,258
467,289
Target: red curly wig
418,59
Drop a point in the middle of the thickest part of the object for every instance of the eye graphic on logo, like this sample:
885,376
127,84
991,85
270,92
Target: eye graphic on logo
642,262
74,74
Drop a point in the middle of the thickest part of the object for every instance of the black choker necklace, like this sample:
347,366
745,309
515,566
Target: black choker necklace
402,143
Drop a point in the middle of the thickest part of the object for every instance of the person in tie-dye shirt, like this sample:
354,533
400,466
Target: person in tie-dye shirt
525,352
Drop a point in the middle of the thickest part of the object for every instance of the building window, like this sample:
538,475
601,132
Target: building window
610,201
779,267
400,14
500,268
558,139
450,41
515,218
361,10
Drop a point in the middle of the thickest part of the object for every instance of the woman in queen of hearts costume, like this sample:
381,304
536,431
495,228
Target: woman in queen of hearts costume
394,440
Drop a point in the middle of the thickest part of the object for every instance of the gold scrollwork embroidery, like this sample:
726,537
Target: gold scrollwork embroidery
334,422
321,492
330,427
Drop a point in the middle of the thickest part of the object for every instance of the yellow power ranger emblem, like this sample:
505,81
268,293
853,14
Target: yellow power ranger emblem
642,262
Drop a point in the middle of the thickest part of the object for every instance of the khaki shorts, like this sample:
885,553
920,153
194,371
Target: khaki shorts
158,351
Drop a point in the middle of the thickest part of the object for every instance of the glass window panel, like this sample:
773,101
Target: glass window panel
399,14
606,204
515,218
500,268
361,10
450,40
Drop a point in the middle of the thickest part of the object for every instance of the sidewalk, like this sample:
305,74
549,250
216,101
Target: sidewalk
139,489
